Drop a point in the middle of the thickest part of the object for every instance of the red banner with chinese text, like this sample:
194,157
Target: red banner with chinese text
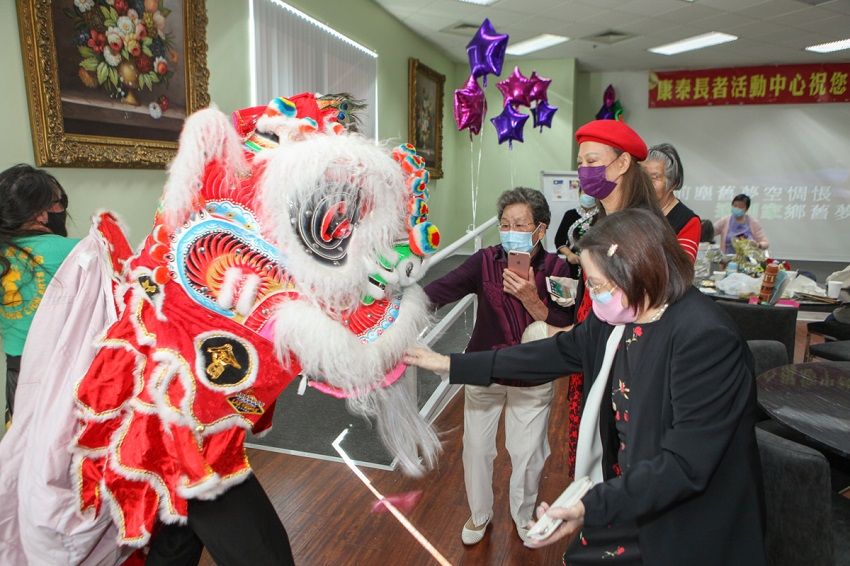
775,84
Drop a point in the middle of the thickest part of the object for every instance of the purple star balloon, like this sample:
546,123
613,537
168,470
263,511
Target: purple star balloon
516,89
509,125
539,87
470,106
486,51
543,114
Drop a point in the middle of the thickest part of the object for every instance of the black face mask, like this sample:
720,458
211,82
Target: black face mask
56,223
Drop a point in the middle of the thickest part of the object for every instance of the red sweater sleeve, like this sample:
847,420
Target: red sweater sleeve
689,236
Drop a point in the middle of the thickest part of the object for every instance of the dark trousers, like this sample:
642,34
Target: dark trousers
13,368
240,527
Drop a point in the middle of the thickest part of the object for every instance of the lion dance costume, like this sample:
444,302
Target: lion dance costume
284,246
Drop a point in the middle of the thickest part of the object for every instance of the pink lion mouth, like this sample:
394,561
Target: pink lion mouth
389,378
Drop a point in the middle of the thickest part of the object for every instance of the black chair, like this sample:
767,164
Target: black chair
798,503
835,351
761,322
767,354
829,329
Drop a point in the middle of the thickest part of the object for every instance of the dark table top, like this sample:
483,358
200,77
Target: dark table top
813,399
805,304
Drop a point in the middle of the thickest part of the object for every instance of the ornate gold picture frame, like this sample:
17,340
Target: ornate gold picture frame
110,83
425,114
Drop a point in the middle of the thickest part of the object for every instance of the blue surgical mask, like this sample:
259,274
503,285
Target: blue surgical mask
602,298
517,241
586,201
738,212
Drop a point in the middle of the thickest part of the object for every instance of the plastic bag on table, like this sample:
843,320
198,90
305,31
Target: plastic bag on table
803,284
739,285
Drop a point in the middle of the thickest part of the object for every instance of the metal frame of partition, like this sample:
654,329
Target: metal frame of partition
445,392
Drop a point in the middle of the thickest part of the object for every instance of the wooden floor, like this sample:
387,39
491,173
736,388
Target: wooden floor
327,510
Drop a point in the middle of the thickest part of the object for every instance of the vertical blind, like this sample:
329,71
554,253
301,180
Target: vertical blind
293,53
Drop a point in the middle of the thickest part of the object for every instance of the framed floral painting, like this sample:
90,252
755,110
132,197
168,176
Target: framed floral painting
110,82
425,114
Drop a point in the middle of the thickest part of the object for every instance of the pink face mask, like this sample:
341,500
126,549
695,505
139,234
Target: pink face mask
608,307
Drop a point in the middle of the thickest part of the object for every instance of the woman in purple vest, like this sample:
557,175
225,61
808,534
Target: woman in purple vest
507,305
739,224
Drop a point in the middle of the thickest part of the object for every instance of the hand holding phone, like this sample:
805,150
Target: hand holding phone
519,263
562,290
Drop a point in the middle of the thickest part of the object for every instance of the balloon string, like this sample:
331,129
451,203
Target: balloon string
511,158
472,179
478,175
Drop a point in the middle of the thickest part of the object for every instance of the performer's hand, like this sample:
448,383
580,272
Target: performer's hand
427,358
573,518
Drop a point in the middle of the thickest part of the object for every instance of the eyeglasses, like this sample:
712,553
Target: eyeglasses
596,288
515,227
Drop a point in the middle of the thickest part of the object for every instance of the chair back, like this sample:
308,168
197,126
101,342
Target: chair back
798,503
767,354
762,322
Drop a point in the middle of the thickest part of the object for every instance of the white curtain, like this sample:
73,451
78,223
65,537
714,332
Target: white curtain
293,53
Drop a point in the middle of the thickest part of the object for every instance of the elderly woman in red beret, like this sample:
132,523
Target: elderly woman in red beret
608,156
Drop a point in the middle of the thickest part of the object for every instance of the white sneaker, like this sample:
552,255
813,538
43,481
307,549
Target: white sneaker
472,533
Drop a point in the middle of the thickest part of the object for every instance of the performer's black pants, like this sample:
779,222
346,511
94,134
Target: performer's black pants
13,368
240,527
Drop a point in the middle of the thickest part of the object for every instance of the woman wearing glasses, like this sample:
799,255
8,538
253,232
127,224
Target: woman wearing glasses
507,304
32,246
608,170
667,433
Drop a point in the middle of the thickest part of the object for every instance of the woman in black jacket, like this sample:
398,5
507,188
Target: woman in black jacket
667,430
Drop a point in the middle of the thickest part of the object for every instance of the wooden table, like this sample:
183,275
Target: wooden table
813,399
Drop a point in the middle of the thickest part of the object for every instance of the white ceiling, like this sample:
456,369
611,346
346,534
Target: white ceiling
769,31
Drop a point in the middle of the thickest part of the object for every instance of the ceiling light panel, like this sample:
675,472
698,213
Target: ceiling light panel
535,44
692,43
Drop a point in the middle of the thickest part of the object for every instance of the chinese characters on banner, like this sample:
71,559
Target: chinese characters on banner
810,203
779,84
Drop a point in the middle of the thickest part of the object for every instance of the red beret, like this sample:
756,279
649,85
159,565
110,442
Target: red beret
614,133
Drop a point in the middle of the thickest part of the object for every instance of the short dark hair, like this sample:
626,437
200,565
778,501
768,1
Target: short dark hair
706,233
742,198
523,195
648,261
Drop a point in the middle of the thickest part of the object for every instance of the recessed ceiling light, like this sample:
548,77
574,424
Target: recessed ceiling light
695,42
535,44
830,47
479,2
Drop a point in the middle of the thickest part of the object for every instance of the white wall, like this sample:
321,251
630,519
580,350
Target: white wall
769,152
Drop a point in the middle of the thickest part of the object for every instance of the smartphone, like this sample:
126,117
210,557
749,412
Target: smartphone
557,289
519,262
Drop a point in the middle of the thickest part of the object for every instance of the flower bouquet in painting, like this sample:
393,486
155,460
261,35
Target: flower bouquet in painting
125,48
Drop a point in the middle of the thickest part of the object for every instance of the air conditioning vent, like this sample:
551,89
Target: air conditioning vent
465,29
609,37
